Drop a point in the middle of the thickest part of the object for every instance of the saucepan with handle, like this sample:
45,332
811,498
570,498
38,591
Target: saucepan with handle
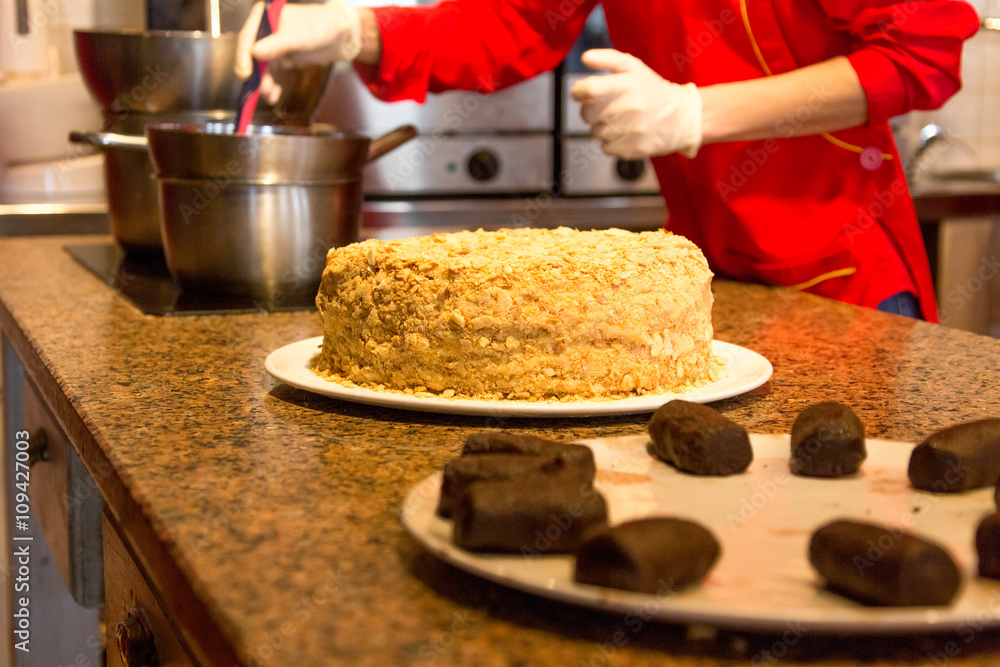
253,215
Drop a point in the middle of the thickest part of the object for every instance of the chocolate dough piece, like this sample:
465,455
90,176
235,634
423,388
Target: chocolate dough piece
493,442
958,458
652,556
461,472
698,439
828,440
988,546
523,516
879,565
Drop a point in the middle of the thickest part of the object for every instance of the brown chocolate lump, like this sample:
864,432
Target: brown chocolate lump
653,555
523,516
958,458
828,440
499,442
461,472
698,439
988,546
883,566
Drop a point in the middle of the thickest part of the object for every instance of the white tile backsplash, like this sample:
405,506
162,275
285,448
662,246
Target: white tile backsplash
968,282
990,150
972,116
974,58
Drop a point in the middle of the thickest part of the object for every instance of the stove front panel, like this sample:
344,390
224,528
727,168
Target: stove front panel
435,164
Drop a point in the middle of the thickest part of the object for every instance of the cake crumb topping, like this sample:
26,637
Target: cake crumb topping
519,314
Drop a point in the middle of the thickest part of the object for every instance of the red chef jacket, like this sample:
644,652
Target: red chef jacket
830,214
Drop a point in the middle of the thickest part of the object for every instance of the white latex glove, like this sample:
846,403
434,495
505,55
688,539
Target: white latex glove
307,34
636,113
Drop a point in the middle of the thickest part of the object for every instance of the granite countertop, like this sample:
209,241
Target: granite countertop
271,515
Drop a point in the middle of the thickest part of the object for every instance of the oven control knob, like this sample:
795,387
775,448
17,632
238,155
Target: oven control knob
483,165
630,170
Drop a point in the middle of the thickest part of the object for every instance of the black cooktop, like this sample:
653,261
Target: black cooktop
144,280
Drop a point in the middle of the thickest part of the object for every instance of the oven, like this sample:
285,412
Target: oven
518,157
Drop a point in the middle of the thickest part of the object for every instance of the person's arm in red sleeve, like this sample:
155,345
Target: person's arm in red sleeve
482,45
907,55
902,56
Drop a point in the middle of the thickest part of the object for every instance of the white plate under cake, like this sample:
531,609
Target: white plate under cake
741,370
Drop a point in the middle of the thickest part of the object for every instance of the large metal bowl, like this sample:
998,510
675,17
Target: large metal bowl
254,215
157,71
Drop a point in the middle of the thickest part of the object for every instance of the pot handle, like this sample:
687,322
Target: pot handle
391,139
109,140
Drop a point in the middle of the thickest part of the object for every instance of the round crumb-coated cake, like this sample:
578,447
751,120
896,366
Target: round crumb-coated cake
526,314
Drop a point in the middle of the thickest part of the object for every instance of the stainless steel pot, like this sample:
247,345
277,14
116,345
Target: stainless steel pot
254,215
133,205
148,77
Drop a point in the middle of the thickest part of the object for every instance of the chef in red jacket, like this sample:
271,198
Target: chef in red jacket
766,122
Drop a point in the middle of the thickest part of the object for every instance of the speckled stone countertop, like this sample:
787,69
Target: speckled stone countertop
279,509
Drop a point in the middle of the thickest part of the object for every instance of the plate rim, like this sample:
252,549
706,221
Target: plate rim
276,364
868,621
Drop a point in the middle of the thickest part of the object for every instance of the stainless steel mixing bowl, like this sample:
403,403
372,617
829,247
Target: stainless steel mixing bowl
254,215
157,71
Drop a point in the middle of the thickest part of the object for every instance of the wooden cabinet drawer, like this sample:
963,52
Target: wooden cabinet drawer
137,627
64,501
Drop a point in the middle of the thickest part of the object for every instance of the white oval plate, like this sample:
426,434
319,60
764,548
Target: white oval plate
763,519
742,370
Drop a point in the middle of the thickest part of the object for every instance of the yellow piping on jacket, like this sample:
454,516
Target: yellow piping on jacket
767,70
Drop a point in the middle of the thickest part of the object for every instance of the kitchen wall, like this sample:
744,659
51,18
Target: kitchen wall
39,74
969,271
971,116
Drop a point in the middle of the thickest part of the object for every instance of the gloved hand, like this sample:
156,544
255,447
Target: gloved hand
307,34
634,112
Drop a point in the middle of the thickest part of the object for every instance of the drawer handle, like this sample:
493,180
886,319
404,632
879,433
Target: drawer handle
135,640
39,449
